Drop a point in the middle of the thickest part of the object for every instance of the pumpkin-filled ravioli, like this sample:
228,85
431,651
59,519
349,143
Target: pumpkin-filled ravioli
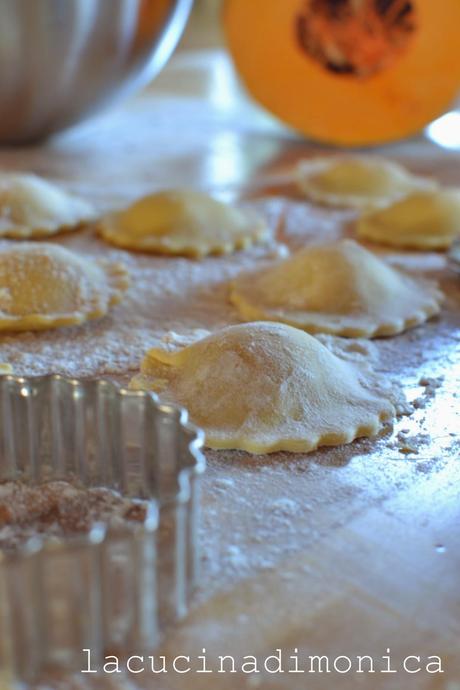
339,288
47,286
265,387
423,220
32,207
349,72
183,222
356,181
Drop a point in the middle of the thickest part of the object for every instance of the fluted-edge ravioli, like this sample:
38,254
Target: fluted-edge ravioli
359,182
266,387
339,288
31,207
183,222
423,220
46,286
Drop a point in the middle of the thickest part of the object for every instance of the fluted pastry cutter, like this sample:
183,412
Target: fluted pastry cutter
110,589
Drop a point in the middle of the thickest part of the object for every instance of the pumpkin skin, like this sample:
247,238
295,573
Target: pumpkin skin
393,89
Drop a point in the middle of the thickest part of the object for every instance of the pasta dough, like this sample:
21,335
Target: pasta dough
356,182
266,387
46,286
6,369
423,220
340,288
186,223
32,207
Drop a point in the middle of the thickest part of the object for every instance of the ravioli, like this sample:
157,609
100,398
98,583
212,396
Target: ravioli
32,207
356,181
423,220
339,288
183,222
46,286
266,387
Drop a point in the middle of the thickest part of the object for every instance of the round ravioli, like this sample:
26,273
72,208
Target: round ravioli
46,286
32,207
265,387
423,220
356,181
182,222
340,288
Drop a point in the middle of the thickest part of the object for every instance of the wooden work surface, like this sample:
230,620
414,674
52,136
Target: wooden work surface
344,553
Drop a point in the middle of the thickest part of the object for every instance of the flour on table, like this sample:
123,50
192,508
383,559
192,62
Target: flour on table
166,294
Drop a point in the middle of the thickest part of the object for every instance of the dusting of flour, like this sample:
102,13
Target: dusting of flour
166,294
258,510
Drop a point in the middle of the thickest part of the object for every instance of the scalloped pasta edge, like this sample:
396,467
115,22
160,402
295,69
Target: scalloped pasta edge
250,312
259,233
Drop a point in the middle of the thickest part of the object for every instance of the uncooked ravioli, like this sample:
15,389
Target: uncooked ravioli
338,288
266,387
423,220
184,223
47,286
356,181
33,207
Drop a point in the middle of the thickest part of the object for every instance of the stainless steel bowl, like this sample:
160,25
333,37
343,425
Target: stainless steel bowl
61,60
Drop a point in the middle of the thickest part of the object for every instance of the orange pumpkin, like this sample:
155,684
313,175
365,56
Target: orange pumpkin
350,72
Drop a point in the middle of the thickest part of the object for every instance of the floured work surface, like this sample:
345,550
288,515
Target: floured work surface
345,551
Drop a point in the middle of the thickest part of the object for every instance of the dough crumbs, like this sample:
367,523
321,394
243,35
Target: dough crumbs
59,509
339,288
46,286
185,223
266,387
424,220
430,385
359,182
31,207
336,484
